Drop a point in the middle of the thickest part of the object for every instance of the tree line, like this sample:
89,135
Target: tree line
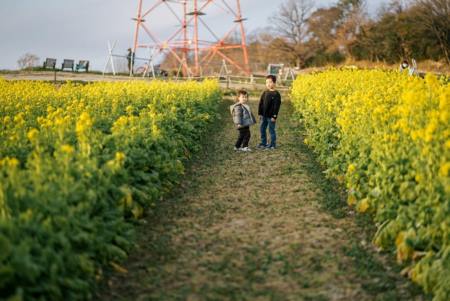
302,35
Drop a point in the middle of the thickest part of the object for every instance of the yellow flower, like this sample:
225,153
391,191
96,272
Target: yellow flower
120,157
59,121
13,162
444,170
129,110
404,251
418,178
32,134
83,123
351,200
351,168
431,80
67,149
363,205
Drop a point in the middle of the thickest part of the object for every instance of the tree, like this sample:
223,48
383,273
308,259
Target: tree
381,40
262,50
352,18
405,30
323,24
28,61
291,22
434,15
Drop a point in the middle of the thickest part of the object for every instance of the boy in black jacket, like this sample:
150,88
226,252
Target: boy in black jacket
269,106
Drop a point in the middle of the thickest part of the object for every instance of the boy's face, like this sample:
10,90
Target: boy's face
242,98
270,84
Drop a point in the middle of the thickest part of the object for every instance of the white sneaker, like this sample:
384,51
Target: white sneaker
237,149
246,149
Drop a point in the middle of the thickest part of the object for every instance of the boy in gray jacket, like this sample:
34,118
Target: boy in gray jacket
243,119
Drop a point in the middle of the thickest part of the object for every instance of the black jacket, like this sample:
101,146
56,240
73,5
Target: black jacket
269,104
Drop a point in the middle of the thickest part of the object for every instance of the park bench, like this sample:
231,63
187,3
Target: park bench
82,65
50,63
68,64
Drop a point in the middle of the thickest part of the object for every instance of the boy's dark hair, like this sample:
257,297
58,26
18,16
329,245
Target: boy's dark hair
241,92
272,77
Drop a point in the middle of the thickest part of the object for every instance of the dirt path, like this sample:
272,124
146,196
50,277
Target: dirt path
264,225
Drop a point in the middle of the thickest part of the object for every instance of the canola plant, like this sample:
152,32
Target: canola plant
79,163
386,136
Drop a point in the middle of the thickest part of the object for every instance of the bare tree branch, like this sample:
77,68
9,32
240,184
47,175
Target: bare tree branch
27,61
291,23
434,14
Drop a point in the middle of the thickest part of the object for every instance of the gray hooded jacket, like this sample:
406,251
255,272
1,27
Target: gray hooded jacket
242,115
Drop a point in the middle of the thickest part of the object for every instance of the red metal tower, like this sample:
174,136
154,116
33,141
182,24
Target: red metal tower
186,45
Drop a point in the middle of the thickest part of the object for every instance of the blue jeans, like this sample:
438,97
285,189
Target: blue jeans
266,121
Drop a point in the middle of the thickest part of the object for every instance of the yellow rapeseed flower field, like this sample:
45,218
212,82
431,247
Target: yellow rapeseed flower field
388,134
77,164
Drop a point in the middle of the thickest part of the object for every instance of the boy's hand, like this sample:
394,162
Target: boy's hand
260,117
273,120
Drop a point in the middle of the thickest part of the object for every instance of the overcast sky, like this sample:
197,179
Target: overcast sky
80,29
